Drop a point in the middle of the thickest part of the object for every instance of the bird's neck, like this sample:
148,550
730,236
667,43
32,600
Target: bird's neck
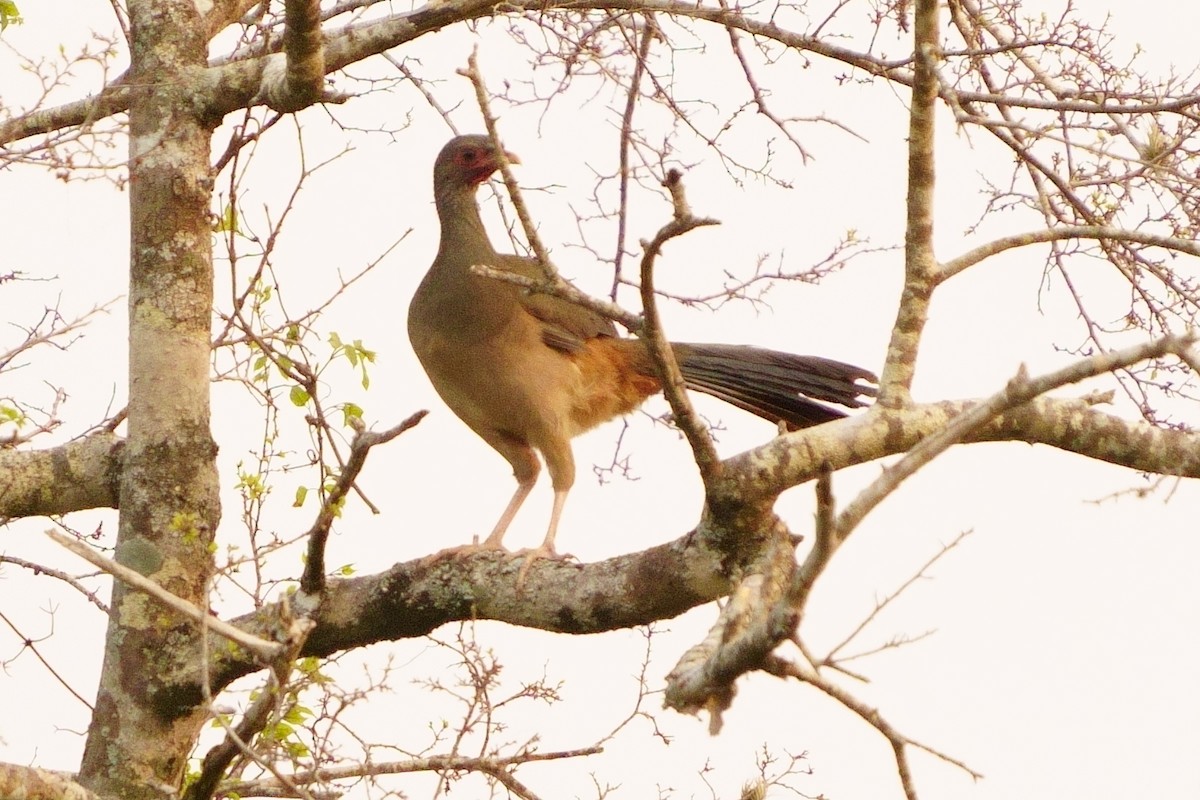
462,227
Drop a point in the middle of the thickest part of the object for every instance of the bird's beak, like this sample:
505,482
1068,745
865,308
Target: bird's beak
513,158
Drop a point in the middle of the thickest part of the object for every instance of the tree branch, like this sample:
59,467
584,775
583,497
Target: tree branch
261,648
30,783
85,473
437,763
919,260
414,598
234,82
1019,390
984,251
674,387
305,82
312,582
1070,424
756,618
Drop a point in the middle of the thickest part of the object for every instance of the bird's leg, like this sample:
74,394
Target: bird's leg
546,548
494,541
560,463
525,469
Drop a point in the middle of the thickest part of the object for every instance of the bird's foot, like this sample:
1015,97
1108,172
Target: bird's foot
535,554
462,551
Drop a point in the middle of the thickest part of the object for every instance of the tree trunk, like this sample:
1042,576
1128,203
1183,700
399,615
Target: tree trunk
169,505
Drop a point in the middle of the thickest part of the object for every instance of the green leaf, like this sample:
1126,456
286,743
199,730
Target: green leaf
296,749
335,341
279,731
297,714
310,667
301,493
298,396
9,14
351,411
364,353
227,221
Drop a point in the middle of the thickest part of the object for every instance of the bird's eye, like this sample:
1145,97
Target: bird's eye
468,156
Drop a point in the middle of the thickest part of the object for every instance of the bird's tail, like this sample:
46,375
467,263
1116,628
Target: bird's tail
781,387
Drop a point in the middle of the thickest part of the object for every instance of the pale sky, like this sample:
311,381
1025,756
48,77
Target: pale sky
1066,646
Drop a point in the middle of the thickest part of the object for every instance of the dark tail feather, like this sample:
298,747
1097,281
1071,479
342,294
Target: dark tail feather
777,386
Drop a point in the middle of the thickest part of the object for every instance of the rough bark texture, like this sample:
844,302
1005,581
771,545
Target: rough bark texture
30,783
168,493
414,598
82,474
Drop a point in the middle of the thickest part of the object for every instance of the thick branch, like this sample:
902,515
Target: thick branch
112,99
756,618
30,783
301,80
234,83
78,475
1019,390
414,598
919,260
1073,425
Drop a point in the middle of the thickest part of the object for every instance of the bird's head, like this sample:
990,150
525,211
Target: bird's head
467,161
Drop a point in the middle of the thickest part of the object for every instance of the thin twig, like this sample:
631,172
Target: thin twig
831,657
473,74
73,582
31,645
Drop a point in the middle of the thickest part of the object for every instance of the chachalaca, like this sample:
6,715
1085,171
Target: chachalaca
527,372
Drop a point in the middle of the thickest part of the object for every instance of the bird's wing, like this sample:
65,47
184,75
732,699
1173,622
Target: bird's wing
565,326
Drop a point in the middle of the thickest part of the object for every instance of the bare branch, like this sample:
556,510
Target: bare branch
57,574
40,784
833,659
919,258
74,476
1019,390
261,648
898,741
313,580
972,257
660,348
437,763
30,644
567,291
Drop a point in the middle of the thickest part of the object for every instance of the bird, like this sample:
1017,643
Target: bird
528,372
